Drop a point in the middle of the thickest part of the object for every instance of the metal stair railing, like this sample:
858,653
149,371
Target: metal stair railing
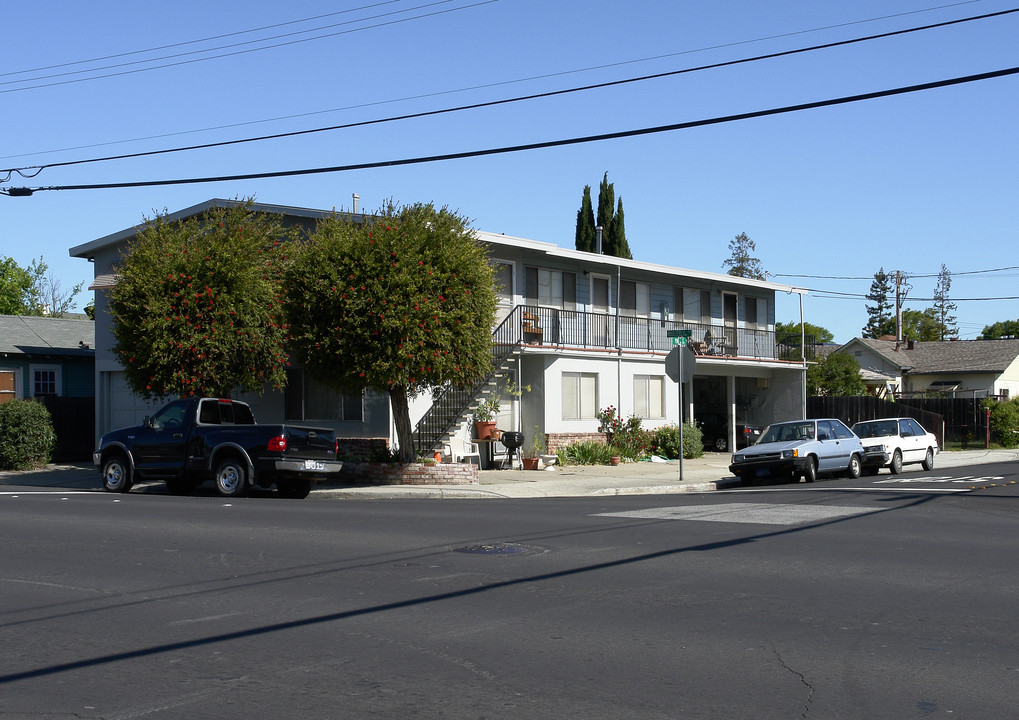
452,401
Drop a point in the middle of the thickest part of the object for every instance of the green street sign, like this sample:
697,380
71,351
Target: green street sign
681,341
678,334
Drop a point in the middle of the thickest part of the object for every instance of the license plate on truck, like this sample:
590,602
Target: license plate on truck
314,465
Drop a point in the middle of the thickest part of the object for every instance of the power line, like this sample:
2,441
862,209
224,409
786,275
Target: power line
550,75
21,192
184,43
238,52
910,275
535,96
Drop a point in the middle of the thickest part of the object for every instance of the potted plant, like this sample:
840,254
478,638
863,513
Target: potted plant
534,450
484,418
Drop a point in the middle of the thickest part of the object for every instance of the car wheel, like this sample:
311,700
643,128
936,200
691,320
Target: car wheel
295,489
232,478
928,461
896,466
854,467
721,444
810,472
116,474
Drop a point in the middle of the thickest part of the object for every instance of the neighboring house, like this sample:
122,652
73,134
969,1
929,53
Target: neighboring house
52,360
952,368
581,331
45,357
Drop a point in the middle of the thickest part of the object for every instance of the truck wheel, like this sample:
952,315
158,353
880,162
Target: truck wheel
854,467
928,461
116,474
232,478
810,472
896,466
295,489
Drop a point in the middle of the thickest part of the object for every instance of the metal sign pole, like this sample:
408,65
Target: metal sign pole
680,383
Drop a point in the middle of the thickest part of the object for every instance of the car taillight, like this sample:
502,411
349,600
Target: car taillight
278,444
336,447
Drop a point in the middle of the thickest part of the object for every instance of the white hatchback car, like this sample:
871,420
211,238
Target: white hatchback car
894,442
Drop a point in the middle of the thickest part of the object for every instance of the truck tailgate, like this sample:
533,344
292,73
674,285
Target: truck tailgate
314,443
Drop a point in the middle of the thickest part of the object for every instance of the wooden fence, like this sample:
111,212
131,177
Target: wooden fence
74,422
853,409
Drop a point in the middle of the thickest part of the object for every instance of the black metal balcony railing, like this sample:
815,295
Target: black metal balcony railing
534,325
576,328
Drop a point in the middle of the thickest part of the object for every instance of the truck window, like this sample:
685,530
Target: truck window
209,413
243,414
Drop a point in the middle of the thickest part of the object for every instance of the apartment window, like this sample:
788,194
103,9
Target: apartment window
677,303
580,396
705,306
45,380
649,396
307,399
504,282
635,298
551,288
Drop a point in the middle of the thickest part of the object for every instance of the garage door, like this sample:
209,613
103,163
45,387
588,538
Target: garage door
121,407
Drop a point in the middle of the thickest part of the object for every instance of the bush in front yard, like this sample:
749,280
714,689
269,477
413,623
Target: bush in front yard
1005,422
664,441
26,435
586,453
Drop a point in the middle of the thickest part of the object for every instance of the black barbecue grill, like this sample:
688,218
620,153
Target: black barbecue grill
512,441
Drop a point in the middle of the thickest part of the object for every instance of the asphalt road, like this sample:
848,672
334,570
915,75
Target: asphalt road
885,597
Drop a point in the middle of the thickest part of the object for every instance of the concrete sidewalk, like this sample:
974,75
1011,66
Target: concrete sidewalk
702,474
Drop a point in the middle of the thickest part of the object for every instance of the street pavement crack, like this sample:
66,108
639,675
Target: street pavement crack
810,688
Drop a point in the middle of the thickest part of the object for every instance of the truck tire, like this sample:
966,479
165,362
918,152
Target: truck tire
232,478
296,489
116,474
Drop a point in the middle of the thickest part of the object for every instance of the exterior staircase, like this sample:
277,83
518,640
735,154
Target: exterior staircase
455,405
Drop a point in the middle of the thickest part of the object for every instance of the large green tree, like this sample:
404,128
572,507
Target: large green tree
881,314
33,290
791,330
586,237
741,261
1000,329
403,303
609,217
197,308
921,325
837,374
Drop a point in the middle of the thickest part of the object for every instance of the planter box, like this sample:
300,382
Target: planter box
411,473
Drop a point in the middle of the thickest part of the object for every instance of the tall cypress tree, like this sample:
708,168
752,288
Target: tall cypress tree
585,223
606,201
881,315
617,244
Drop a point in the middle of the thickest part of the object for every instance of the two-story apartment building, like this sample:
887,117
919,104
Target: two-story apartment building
576,331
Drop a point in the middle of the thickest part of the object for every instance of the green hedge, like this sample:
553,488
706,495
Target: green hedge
26,435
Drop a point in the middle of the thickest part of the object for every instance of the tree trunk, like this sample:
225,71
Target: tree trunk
401,416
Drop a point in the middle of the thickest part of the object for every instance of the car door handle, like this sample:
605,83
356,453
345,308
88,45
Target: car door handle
178,436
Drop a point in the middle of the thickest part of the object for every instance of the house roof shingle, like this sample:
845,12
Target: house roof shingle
32,335
946,356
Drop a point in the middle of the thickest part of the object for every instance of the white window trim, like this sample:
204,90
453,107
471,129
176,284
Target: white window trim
513,296
57,377
579,376
648,381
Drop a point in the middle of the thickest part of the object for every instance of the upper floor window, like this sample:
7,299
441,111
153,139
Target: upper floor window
705,306
635,298
305,398
504,282
677,303
551,288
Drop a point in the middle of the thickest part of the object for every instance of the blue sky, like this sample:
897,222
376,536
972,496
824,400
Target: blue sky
901,183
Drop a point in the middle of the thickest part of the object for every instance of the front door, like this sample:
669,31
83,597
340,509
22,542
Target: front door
601,320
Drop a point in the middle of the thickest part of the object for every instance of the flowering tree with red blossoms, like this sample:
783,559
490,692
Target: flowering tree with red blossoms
402,303
197,308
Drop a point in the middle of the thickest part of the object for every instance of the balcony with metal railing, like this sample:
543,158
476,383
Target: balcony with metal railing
579,329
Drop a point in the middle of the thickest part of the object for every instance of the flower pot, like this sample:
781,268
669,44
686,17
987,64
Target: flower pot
615,459
530,463
484,429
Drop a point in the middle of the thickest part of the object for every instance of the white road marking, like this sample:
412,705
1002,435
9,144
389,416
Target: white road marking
756,513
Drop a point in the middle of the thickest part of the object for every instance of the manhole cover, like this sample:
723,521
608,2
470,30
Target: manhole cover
491,549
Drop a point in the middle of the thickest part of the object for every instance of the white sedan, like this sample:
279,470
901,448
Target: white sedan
894,442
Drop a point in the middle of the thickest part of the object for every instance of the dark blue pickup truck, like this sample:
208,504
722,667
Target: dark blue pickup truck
193,440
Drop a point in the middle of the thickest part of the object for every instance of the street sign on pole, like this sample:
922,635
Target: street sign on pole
680,364
678,333
679,341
